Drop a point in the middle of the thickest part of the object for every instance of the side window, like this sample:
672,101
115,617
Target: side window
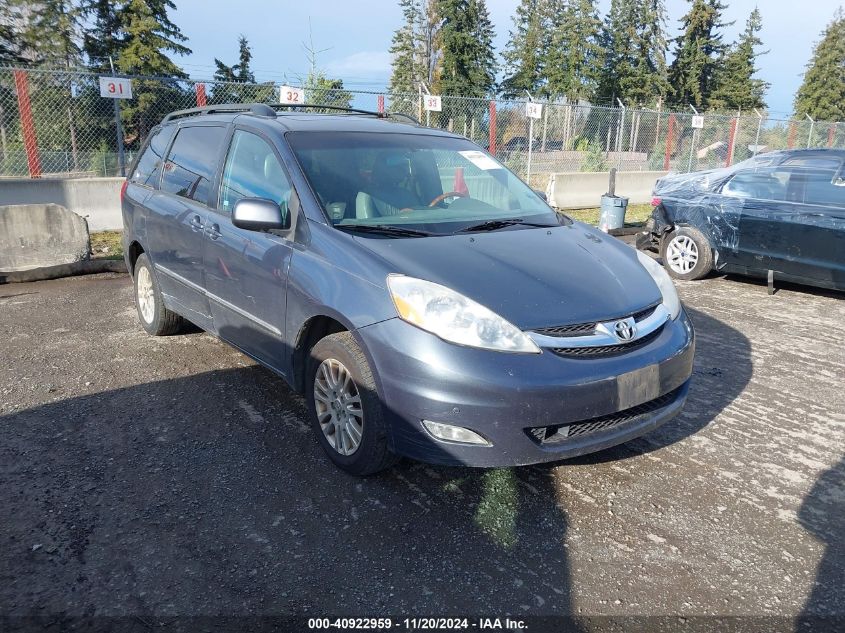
191,161
829,163
252,171
760,184
148,169
823,188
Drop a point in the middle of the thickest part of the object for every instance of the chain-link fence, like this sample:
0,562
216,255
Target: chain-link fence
56,124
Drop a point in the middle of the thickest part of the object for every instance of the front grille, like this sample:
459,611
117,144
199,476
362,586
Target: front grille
586,329
549,435
606,351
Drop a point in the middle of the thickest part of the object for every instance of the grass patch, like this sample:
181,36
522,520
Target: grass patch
107,245
496,512
634,214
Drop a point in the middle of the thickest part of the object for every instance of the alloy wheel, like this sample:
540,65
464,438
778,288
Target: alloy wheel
145,294
338,406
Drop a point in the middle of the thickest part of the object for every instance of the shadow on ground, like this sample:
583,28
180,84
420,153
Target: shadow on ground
209,495
823,515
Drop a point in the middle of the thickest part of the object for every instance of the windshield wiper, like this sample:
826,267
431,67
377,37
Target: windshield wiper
494,225
384,229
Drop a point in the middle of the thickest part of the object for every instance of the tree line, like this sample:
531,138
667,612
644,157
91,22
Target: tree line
564,50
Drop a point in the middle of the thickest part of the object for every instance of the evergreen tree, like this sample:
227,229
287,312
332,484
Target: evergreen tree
9,37
735,85
237,72
822,93
61,20
429,53
525,51
697,53
103,39
149,36
406,73
634,44
574,54
468,65
238,81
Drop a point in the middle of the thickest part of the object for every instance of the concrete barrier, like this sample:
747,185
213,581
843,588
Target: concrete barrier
577,190
41,235
95,199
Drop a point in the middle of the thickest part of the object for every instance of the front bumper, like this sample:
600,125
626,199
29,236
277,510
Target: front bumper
504,396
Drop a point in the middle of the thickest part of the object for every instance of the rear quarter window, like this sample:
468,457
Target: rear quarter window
148,169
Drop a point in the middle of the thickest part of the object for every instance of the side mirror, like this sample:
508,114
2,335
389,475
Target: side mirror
260,214
542,194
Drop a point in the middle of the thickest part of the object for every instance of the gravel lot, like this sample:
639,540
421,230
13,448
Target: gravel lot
156,477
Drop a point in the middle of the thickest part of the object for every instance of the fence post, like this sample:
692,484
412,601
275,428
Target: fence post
810,135
491,147
757,137
670,142
831,133
381,103
731,142
30,141
790,137
201,99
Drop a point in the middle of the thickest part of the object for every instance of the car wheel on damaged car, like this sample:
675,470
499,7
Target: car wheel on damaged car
686,254
428,305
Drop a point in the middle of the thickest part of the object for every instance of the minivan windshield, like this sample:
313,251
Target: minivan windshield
418,182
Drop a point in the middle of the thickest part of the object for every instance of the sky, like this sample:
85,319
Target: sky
352,37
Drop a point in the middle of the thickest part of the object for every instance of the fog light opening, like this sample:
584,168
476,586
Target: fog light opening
451,433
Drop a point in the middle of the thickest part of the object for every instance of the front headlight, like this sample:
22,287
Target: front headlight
664,282
455,318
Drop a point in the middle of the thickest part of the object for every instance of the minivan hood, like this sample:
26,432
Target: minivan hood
535,277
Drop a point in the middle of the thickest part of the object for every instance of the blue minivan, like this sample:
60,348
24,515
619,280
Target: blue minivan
425,300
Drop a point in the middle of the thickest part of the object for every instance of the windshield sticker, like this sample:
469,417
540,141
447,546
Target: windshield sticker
480,159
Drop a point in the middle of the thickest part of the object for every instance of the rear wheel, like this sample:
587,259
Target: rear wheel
346,413
686,254
154,317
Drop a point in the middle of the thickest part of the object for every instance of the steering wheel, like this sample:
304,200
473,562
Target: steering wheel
449,194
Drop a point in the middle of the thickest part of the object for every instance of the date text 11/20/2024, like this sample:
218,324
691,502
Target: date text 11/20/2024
413,624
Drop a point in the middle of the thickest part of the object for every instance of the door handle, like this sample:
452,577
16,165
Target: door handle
196,223
213,231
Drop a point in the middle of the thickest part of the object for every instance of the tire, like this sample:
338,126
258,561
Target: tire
337,435
686,254
154,317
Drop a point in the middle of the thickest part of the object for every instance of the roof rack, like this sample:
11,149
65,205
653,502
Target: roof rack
269,110
259,109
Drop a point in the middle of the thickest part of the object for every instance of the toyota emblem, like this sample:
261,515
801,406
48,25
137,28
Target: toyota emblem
624,330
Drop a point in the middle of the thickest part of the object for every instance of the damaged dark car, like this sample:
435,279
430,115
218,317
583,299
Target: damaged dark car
779,214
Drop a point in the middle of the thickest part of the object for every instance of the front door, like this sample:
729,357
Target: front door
246,271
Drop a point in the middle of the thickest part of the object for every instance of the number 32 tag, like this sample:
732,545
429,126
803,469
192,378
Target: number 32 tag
292,96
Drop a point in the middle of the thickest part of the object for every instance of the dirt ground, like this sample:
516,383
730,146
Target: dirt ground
156,477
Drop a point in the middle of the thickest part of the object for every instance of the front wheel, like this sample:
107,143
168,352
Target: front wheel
346,412
686,254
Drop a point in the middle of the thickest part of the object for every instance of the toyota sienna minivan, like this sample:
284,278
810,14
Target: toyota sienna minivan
425,300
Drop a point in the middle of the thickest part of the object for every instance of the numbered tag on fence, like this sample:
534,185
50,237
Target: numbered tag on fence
533,110
291,96
115,88
698,122
432,103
